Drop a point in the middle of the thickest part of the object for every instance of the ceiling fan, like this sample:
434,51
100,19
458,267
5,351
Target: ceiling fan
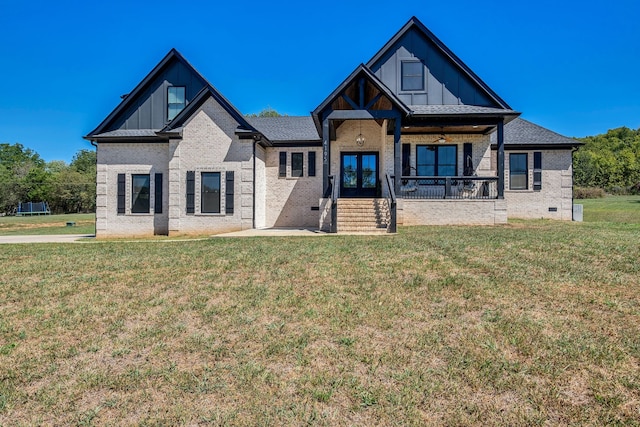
442,138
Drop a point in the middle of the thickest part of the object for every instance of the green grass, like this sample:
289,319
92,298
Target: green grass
47,224
532,323
623,209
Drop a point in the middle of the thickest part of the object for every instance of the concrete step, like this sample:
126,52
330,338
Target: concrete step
362,215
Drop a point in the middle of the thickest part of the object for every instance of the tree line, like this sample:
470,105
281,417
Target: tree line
609,161
26,177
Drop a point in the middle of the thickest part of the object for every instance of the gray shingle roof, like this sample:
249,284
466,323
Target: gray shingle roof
457,109
523,132
128,133
286,128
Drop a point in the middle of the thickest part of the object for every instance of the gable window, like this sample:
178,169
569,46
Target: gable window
436,160
140,192
518,172
210,196
297,161
412,76
176,101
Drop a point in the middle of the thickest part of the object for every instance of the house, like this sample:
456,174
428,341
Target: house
413,136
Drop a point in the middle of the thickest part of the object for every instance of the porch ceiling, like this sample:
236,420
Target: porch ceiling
479,129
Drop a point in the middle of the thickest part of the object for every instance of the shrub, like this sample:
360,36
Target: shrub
588,193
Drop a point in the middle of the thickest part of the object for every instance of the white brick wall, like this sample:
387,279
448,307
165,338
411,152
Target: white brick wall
556,192
129,158
209,144
288,201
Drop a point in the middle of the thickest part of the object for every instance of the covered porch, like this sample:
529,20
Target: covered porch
429,164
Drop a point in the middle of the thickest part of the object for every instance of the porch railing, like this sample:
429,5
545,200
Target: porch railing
449,187
391,200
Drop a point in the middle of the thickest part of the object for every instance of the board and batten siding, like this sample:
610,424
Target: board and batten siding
149,111
445,83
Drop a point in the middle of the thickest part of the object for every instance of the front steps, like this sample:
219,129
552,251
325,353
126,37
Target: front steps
362,215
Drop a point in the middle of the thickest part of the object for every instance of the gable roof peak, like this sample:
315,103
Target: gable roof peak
414,22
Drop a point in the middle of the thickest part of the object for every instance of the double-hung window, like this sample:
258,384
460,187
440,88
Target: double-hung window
412,76
210,195
436,160
140,193
518,171
176,101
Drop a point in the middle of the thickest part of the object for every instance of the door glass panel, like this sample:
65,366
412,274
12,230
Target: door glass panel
349,171
369,172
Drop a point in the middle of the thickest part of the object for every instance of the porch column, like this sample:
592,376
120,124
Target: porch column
501,159
397,157
326,156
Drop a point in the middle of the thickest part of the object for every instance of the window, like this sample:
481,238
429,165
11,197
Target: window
140,191
176,101
518,171
282,171
436,160
412,76
210,196
537,170
297,160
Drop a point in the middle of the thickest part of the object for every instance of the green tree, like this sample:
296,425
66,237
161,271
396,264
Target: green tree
267,112
610,161
23,176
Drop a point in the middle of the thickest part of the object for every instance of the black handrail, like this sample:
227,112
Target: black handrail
392,205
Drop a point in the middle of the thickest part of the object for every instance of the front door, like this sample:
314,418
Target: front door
358,174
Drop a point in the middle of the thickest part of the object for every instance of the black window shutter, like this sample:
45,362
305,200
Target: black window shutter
467,159
283,165
406,162
229,193
537,170
312,163
121,192
157,204
191,191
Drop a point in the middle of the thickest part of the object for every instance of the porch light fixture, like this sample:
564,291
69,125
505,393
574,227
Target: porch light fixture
360,140
442,139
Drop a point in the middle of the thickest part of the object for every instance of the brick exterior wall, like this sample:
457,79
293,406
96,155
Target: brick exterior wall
128,159
209,144
288,200
557,188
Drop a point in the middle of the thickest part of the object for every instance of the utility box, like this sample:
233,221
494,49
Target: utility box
577,213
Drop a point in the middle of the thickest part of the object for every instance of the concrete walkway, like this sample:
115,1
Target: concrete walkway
274,232
53,238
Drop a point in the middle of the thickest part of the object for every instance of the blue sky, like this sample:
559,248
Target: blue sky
571,66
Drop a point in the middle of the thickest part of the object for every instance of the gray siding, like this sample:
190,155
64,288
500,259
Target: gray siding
445,83
149,111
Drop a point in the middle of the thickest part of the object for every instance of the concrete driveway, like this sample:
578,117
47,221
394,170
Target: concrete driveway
54,238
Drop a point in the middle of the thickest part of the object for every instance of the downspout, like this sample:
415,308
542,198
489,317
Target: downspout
253,216
95,219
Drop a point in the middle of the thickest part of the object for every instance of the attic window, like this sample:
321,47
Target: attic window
412,76
176,101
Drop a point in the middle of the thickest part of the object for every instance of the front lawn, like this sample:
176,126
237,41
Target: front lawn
531,323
